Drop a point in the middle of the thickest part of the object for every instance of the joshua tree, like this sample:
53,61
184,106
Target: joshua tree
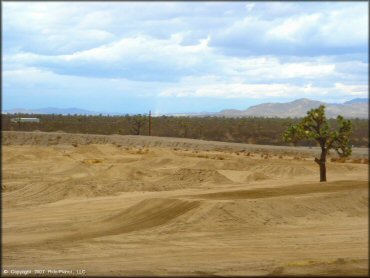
315,126
137,122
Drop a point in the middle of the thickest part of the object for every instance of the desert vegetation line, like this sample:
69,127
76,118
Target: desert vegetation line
252,130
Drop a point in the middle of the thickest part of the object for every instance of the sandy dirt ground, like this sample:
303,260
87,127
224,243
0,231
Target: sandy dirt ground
111,208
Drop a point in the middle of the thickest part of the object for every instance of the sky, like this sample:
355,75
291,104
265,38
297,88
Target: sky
177,57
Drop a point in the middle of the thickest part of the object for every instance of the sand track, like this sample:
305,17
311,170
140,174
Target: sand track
293,190
141,207
146,214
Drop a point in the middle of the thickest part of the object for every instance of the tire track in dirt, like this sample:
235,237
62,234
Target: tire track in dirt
146,214
298,189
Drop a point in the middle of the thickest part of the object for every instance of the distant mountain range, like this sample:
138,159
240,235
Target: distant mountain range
357,100
355,108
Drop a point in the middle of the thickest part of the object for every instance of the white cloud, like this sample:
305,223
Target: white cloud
41,80
345,26
352,90
166,57
294,29
261,91
316,24
271,68
143,48
178,49
249,6
199,64
312,29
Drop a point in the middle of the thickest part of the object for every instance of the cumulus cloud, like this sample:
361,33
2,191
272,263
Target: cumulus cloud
263,91
149,59
187,49
136,58
339,29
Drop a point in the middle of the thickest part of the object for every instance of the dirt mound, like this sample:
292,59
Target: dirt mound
243,176
249,209
77,187
298,189
52,138
77,170
16,158
195,177
257,176
284,170
149,213
125,172
144,215
36,193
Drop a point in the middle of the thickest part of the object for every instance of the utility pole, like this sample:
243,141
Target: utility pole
150,123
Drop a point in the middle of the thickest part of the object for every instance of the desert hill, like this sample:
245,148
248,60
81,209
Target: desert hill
356,108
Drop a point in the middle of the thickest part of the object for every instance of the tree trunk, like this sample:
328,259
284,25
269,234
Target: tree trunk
322,164
322,172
